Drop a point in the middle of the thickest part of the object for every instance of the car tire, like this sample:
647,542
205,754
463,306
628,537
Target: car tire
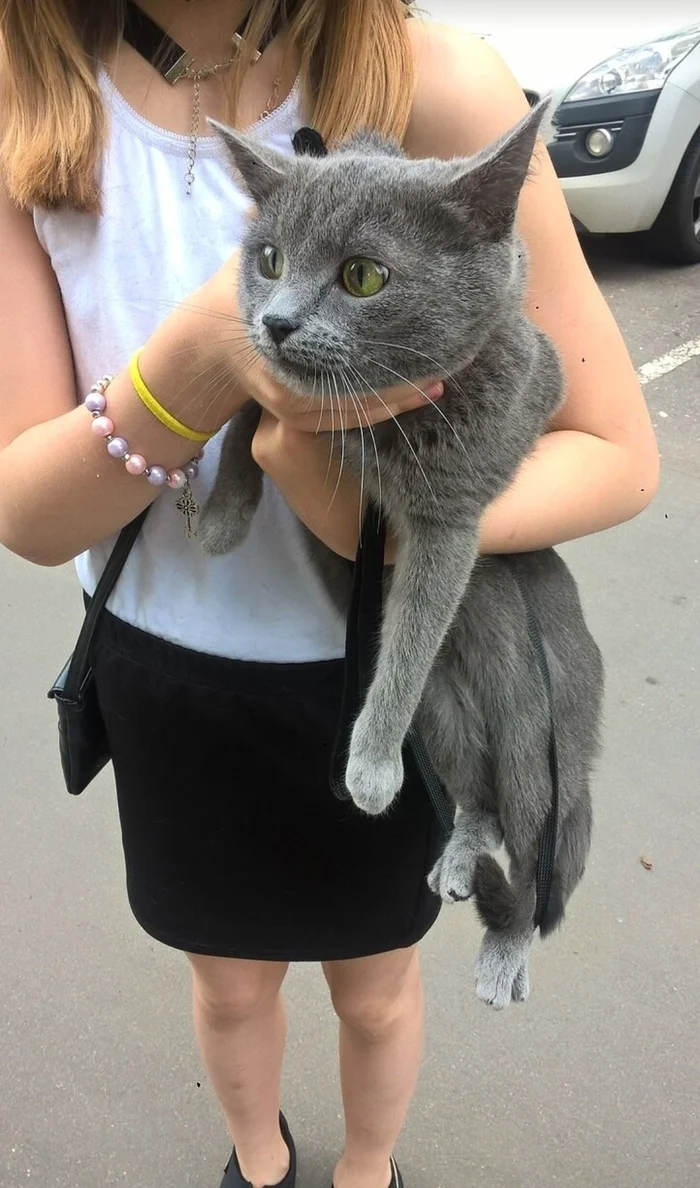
676,233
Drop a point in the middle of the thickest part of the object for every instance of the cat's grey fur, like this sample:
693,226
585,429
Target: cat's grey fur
455,652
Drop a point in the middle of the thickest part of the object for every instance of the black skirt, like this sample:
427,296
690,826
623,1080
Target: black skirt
235,845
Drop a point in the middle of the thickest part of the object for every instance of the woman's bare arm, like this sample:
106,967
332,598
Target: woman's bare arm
61,491
599,464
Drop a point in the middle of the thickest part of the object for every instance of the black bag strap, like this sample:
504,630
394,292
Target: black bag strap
548,840
441,802
80,660
361,645
364,618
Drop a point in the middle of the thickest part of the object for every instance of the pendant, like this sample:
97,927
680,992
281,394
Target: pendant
187,504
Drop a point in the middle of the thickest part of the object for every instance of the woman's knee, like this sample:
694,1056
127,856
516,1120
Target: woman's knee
227,992
374,1008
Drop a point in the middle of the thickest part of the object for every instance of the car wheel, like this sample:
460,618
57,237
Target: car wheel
676,232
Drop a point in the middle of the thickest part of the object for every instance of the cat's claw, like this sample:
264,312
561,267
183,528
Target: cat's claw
502,970
373,783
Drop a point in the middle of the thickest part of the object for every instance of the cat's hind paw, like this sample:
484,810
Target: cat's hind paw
452,876
373,784
502,970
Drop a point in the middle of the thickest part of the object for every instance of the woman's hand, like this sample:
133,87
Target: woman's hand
299,415
303,466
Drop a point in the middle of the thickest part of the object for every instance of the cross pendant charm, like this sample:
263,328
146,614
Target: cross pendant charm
187,504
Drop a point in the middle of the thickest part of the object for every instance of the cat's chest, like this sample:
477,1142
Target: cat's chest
410,465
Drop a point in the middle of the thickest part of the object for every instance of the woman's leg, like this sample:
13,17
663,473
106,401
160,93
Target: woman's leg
240,1025
379,1001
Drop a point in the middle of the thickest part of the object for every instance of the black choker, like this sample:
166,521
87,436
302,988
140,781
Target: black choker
164,54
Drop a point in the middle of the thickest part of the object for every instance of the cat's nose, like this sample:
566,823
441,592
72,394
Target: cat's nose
280,328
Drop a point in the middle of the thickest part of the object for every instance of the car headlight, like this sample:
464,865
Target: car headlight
642,68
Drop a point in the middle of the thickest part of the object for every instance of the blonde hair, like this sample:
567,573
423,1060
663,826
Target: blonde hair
356,65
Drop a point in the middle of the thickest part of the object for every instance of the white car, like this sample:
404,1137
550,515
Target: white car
624,131
626,143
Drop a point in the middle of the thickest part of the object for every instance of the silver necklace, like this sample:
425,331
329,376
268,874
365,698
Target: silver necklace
196,76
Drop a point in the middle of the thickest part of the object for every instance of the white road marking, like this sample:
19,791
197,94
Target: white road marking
665,363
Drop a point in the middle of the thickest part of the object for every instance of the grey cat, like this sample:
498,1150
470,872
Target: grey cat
361,270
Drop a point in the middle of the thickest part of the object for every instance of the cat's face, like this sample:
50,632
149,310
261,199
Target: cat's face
365,269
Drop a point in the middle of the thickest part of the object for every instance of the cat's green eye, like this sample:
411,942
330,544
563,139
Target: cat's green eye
271,262
364,278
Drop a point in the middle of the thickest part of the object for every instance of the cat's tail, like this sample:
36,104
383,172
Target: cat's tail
498,903
509,907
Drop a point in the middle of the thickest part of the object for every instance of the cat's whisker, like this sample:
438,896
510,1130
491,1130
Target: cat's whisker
214,373
433,403
239,352
362,469
311,403
164,303
342,444
320,414
331,451
236,337
219,376
330,443
441,369
219,382
399,426
351,391
371,433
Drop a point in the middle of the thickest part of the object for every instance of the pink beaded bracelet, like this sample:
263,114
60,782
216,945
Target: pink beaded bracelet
118,447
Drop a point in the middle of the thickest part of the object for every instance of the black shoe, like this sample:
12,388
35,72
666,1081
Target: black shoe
233,1177
396,1180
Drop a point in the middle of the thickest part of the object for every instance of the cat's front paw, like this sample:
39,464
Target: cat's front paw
502,974
373,783
374,774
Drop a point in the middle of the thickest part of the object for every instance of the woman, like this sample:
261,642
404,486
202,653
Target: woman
219,680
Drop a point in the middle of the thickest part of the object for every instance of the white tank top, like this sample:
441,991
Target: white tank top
119,276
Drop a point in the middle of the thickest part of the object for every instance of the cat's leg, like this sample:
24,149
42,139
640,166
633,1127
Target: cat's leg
476,832
502,974
508,908
228,513
430,577
502,967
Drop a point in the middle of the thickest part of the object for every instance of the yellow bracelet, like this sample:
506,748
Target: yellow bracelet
161,414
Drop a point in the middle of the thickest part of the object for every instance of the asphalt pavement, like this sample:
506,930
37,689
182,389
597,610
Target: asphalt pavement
593,1082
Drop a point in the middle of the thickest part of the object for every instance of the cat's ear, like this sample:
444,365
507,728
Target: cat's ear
263,169
488,187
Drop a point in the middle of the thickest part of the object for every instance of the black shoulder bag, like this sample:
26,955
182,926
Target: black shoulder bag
82,738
